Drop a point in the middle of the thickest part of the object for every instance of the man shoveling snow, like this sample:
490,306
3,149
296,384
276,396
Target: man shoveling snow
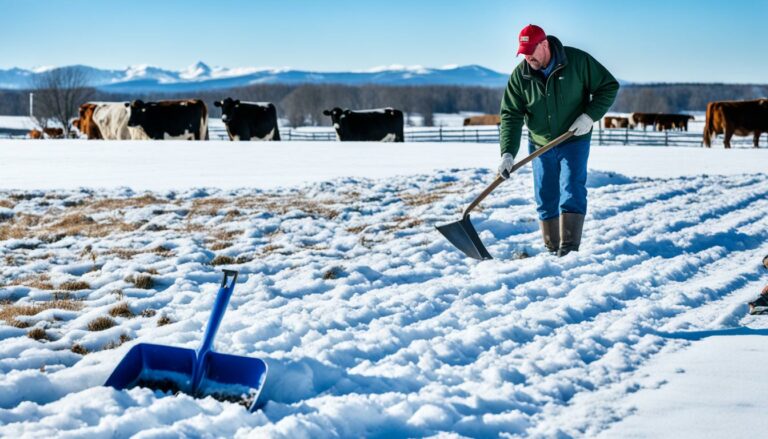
556,89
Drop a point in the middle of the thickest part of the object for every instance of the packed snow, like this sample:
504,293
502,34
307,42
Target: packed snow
371,323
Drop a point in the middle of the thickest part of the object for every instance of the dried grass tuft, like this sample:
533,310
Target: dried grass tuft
143,281
333,273
221,245
149,312
116,344
9,312
100,324
222,260
121,310
74,285
40,282
37,334
79,349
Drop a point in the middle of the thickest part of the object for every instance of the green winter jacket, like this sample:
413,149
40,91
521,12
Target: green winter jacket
578,84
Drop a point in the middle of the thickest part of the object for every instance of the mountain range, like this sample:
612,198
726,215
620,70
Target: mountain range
201,77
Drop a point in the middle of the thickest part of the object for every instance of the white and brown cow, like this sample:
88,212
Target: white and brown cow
170,120
112,120
249,120
384,124
107,121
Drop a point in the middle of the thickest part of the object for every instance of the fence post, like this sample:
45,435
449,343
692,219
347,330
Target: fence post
600,134
440,133
626,136
666,137
477,135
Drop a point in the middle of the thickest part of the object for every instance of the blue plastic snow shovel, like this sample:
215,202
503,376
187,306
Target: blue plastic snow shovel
198,373
462,233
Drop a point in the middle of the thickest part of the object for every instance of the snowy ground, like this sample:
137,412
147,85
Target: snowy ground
372,324
70,164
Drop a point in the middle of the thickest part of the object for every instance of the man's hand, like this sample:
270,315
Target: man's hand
507,162
581,125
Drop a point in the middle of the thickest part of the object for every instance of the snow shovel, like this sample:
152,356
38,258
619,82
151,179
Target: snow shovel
198,373
462,234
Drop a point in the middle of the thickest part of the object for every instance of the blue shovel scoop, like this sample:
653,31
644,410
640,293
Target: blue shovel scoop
198,373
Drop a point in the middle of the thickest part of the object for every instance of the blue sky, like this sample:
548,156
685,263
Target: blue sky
648,41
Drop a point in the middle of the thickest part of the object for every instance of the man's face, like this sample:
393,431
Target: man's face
540,56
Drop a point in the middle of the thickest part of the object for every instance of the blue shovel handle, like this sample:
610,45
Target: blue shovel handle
219,307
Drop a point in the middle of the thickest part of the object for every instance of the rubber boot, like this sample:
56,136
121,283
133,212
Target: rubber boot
550,231
570,232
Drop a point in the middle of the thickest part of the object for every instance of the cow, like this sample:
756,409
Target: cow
660,121
643,119
666,122
736,117
383,124
485,119
615,122
35,134
85,123
682,122
170,120
111,118
249,120
53,133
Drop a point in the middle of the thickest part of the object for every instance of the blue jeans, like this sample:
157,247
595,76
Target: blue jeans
560,179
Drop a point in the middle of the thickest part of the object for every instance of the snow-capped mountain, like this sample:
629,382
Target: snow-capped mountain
200,76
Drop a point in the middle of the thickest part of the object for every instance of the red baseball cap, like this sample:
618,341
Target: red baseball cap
530,36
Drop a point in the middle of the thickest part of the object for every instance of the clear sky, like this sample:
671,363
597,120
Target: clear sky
645,41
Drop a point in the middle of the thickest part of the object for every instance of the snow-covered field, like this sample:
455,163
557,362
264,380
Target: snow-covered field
372,324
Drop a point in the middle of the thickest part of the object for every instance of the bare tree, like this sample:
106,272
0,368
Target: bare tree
59,94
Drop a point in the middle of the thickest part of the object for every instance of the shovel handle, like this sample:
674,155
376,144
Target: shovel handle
499,179
219,307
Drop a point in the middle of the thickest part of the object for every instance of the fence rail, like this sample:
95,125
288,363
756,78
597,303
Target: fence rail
490,134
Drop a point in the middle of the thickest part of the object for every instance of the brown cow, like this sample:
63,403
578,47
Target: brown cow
35,134
54,133
660,121
485,119
615,122
643,119
736,117
666,122
86,125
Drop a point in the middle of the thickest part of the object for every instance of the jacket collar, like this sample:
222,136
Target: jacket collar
557,52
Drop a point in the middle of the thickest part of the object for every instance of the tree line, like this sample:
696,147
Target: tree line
59,93
677,98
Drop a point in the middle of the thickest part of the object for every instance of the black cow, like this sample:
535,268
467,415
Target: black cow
385,124
171,120
249,120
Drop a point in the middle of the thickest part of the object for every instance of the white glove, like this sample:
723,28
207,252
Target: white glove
507,162
582,125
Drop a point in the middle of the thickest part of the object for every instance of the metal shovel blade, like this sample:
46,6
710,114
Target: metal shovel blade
464,237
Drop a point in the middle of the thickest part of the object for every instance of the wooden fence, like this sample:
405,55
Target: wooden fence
490,134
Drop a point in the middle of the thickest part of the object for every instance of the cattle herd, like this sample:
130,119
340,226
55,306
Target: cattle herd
659,121
729,118
187,119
